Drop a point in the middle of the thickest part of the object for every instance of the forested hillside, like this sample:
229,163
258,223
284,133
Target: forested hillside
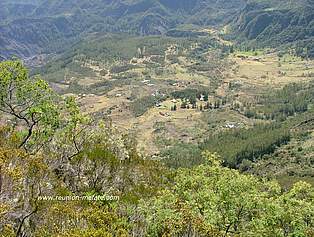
29,28
277,23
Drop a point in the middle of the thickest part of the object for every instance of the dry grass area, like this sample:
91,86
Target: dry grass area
253,74
269,71
178,125
183,124
256,75
88,81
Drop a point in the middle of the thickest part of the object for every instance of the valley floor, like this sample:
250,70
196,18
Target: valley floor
186,93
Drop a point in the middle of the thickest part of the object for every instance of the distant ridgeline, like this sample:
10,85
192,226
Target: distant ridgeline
275,23
43,26
28,28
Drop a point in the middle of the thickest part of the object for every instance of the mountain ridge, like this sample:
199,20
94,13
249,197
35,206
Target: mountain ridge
274,24
144,17
29,28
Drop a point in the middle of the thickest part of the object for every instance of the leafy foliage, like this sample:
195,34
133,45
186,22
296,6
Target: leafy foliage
182,156
29,100
212,201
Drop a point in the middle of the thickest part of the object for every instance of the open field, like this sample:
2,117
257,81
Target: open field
246,75
187,92
271,71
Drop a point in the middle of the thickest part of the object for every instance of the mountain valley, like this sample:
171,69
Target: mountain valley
156,118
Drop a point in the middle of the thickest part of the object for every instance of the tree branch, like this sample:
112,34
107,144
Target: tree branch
19,230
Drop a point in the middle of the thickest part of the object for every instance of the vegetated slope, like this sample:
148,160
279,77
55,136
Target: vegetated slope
31,27
55,152
27,28
274,23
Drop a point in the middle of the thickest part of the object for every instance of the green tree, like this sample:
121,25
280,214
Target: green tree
30,102
209,200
